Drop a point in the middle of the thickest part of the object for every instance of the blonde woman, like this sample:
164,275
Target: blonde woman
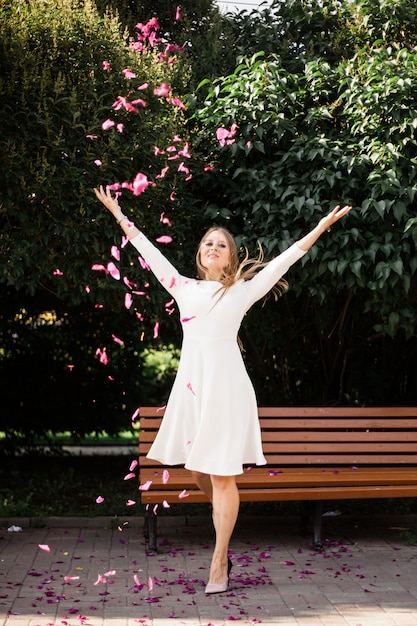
211,421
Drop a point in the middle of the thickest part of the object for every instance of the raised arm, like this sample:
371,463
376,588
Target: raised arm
324,224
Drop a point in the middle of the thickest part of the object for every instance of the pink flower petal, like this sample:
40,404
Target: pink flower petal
164,239
107,124
183,494
99,499
187,319
156,330
133,465
128,300
44,547
162,91
130,502
68,578
129,476
113,271
117,340
150,584
115,252
145,486
166,505
165,476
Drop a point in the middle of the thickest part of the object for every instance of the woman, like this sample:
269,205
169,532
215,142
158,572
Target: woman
211,421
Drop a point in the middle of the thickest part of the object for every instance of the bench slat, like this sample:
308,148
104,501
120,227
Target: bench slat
293,494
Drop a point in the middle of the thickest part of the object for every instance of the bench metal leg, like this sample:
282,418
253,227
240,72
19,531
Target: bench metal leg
317,525
150,528
311,516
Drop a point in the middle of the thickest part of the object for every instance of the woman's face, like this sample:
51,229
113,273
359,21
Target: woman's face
215,253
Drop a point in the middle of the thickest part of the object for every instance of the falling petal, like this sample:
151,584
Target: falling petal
183,494
166,505
133,464
135,415
129,476
115,252
155,508
106,65
165,220
128,300
190,388
107,124
98,162
113,271
130,502
165,476
164,239
120,127
145,486
127,73
162,90
117,340
156,330
178,14
58,273
99,499
187,319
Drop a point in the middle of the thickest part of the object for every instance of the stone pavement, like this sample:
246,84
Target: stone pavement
96,572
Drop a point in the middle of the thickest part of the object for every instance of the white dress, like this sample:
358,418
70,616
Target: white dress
211,421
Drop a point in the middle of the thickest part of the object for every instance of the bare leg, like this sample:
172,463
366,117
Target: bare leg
225,511
203,482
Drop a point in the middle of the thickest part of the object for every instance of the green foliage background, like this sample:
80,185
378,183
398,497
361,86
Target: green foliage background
324,97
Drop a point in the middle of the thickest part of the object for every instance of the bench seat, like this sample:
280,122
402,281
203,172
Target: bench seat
313,454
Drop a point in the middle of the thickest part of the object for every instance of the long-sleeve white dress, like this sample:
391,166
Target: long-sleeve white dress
211,421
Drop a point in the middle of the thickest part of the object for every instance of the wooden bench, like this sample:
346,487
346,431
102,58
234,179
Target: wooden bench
313,454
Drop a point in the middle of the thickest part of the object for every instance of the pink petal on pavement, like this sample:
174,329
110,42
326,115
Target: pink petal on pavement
150,584
44,547
68,578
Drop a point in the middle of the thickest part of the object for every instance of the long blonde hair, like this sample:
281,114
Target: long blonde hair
237,270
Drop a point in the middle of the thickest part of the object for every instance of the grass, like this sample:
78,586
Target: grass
65,485
41,486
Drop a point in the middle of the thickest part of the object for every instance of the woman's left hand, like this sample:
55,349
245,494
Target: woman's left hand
335,215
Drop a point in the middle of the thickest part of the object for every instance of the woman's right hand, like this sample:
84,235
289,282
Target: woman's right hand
104,195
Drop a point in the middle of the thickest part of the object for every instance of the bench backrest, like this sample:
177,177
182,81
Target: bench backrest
328,436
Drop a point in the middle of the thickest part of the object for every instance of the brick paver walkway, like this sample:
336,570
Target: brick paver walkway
97,575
